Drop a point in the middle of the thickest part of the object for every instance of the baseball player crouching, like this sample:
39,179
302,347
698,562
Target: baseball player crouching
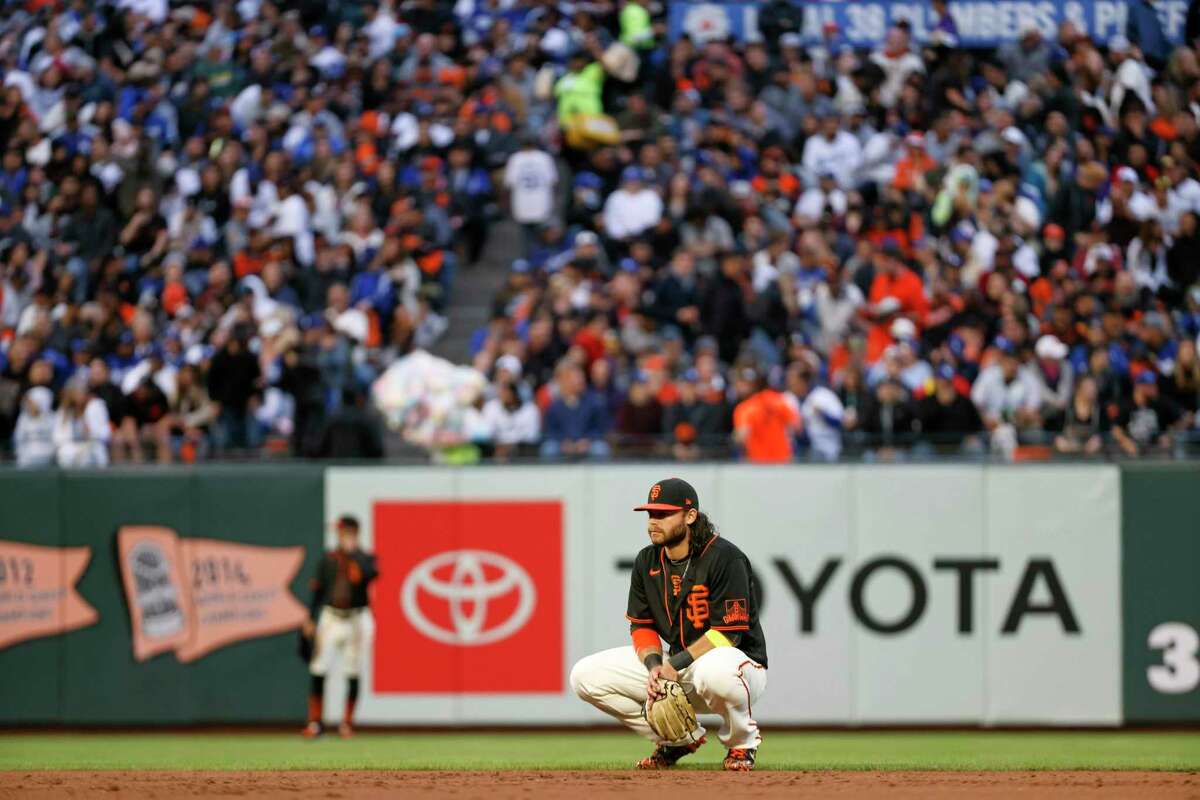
339,602
694,590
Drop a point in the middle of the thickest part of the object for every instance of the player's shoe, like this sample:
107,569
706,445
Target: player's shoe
312,730
345,731
740,759
665,756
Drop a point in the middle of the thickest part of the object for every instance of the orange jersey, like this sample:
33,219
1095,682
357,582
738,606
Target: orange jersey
906,287
768,420
908,168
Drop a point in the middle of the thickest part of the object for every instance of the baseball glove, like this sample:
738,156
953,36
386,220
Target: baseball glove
672,716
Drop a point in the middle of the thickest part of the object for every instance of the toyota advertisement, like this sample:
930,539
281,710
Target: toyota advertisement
915,595
475,601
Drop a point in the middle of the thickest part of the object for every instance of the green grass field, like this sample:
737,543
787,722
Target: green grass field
600,750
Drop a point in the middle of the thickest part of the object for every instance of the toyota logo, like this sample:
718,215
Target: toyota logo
468,585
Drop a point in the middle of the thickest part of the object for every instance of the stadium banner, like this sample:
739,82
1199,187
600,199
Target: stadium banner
1161,586
980,23
37,591
192,596
90,675
893,595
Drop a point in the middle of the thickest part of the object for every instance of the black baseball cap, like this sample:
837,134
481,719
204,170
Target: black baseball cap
672,494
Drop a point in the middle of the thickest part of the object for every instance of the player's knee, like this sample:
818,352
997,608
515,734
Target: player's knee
581,675
715,680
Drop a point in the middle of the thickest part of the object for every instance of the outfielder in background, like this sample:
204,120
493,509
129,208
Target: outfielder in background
694,590
335,626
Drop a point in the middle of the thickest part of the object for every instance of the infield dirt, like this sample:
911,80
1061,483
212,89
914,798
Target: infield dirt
574,785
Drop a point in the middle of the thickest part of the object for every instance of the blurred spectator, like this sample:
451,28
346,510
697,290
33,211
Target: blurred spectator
579,91
1008,396
148,408
633,208
352,432
896,293
833,152
1183,385
1055,375
855,396
1147,420
914,165
639,421
764,422
821,413
900,361
190,416
705,236
513,423
723,312
144,238
124,443
1029,56
233,383
1183,256
676,295
838,303
1084,423
948,419
81,429
34,434
888,419
88,238
531,176
898,62
574,423
699,421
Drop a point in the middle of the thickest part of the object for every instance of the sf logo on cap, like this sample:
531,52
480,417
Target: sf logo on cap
655,492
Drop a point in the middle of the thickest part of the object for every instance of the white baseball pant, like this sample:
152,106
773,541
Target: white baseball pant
338,638
723,681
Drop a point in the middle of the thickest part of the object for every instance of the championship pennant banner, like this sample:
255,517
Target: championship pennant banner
37,591
192,596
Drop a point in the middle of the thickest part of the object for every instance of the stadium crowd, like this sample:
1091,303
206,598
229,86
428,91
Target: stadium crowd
220,222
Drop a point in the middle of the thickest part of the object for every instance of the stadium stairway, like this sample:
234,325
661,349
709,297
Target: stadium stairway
475,289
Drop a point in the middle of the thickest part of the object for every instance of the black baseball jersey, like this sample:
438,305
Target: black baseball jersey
341,580
681,602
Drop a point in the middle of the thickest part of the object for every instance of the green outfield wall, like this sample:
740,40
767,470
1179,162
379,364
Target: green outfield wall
1160,589
941,594
89,675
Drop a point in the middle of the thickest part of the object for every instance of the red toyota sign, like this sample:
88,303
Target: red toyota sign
469,597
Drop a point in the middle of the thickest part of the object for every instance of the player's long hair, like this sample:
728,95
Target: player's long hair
704,530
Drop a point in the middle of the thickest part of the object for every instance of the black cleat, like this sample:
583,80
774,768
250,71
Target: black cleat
665,756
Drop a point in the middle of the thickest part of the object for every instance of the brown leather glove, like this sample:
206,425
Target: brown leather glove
671,716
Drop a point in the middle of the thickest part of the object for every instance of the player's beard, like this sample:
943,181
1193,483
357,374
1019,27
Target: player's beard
676,536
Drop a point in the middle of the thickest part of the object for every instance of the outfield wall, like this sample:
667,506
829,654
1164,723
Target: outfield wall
949,594
90,675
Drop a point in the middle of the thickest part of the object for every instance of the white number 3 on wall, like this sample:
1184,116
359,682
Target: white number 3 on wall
1180,670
